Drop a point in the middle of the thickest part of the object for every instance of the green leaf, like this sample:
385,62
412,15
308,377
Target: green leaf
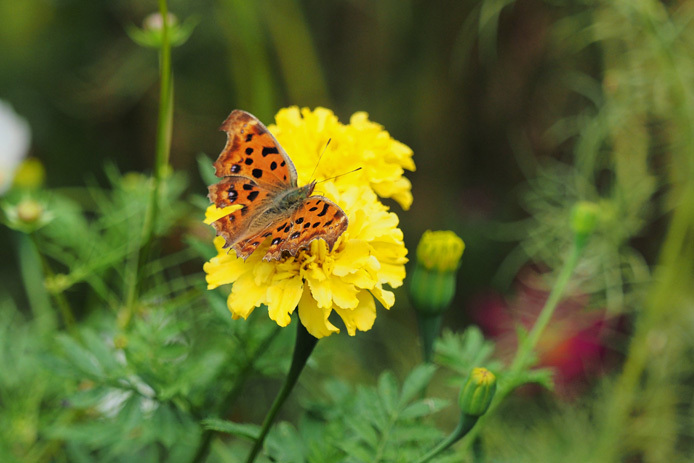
80,358
285,444
423,407
388,391
249,431
416,382
206,169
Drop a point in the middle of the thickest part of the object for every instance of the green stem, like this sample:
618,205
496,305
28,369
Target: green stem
229,399
521,360
303,347
429,327
32,266
466,423
528,345
162,150
60,299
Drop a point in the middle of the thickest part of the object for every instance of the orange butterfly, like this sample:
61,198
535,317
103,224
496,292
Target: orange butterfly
258,175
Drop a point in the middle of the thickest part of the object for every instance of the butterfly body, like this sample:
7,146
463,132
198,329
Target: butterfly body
260,177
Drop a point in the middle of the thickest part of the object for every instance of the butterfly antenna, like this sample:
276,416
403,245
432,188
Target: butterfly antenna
333,178
321,156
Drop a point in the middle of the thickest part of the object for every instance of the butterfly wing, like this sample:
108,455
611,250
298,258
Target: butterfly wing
316,217
252,198
251,151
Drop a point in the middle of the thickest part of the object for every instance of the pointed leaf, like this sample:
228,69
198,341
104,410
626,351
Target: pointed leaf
249,431
416,382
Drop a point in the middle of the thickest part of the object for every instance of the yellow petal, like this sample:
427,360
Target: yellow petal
245,296
362,317
387,298
283,297
213,213
314,318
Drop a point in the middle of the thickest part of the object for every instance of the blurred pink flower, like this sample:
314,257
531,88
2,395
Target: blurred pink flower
574,344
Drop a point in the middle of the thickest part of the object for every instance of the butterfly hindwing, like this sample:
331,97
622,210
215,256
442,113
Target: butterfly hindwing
316,217
251,151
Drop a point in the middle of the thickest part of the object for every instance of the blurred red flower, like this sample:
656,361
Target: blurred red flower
575,343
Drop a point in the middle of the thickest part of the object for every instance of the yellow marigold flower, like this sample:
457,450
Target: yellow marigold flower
369,254
362,143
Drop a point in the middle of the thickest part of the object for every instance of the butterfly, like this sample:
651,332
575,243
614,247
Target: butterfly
258,175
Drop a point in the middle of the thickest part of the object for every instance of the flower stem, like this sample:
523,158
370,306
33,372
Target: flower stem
162,150
429,327
521,360
465,424
555,295
303,347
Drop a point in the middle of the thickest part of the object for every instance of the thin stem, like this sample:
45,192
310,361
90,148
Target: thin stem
302,351
521,359
466,423
206,439
60,299
162,150
555,295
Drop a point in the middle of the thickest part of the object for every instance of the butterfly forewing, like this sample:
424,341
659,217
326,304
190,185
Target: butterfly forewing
244,192
251,151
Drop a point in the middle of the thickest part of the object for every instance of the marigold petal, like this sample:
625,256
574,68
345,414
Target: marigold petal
282,299
224,268
213,213
320,290
245,296
360,318
314,318
387,298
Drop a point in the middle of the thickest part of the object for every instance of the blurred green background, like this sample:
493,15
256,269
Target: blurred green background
514,110
468,105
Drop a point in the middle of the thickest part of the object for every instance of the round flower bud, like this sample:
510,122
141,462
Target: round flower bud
478,392
433,281
584,218
440,250
29,211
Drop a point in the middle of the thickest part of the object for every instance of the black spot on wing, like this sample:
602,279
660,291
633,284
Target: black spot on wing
249,137
315,224
232,195
273,165
249,151
299,220
294,236
269,150
325,209
248,161
252,195
257,173
248,186
235,169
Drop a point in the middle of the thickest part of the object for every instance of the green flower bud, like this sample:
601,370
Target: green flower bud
584,218
30,174
432,285
29,211
478,392
26,216
151,34
440,250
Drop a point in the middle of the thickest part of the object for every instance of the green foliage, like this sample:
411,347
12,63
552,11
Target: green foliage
111,347
382,423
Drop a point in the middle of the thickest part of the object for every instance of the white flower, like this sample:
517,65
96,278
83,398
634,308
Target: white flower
14,144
